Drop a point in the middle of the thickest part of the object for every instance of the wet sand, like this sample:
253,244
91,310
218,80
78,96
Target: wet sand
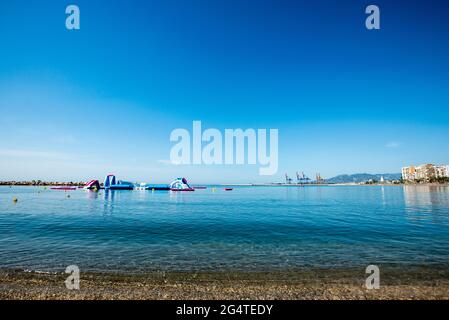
349,284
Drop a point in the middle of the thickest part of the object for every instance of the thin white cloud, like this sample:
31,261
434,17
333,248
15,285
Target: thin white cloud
167,162
392,144
20,153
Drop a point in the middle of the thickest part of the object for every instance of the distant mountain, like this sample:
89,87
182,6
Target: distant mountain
363,177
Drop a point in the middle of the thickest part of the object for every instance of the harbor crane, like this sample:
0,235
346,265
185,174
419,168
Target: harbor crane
319,179
302,178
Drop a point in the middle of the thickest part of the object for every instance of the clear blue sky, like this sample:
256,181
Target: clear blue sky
76,105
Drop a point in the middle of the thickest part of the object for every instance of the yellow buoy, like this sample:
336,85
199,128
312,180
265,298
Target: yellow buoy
15,200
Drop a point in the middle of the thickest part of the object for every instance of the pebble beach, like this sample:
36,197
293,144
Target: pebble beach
418,283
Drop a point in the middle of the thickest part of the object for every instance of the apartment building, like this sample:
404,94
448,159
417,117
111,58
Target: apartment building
425,172
442,171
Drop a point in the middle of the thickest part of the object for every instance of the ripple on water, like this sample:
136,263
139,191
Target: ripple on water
263,228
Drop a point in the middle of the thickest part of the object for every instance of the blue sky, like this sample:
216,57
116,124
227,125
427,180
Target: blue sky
76,105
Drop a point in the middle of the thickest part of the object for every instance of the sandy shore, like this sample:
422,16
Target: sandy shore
418,283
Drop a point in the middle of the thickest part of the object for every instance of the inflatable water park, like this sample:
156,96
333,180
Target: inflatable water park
180,184
111,182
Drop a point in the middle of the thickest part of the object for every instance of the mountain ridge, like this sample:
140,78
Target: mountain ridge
363,177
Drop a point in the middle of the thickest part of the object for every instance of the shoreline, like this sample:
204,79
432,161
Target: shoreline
321,284
81,184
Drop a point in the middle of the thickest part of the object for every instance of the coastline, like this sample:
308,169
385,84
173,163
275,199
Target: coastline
398,281
313,284
81,184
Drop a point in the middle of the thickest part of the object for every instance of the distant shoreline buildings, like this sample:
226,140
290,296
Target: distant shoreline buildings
425,172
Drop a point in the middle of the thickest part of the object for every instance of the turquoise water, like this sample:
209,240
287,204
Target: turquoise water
249,228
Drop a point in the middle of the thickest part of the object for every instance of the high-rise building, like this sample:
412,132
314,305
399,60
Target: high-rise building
408,173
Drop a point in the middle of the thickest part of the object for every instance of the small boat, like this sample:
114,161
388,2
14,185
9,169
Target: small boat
229,189
64,188
181,190
199,187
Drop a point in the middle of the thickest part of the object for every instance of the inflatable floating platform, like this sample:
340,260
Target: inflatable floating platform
92,185
64,188
155,187
110,183
181,190
180,184
121,187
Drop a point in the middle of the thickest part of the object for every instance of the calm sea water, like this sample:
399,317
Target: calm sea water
250,228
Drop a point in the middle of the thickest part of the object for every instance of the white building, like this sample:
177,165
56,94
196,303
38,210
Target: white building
425,172
442,171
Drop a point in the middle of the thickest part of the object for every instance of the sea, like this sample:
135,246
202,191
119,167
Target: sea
251,228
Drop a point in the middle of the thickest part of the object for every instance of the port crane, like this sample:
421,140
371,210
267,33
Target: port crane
302,178
319,179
